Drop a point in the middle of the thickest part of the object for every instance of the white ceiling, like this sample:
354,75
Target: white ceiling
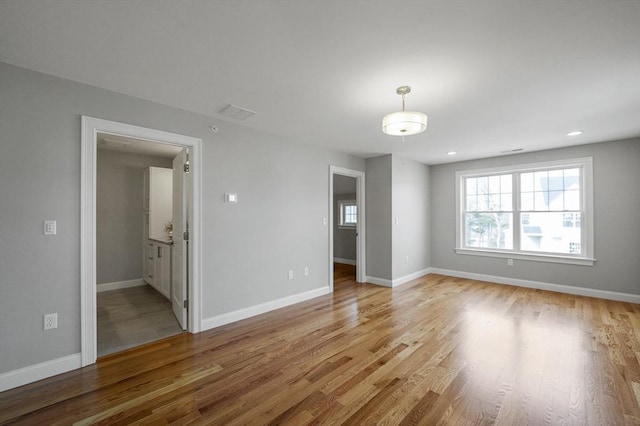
491,75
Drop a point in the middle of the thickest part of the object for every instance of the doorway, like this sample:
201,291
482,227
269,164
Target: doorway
91,128
350,215
133,255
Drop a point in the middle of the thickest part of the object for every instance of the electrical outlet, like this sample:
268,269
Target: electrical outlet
50,227
306,271
50,321
290,274
509,262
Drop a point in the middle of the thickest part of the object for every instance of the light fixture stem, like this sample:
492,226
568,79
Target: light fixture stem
403,102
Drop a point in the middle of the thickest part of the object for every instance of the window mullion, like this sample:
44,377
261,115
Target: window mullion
516,210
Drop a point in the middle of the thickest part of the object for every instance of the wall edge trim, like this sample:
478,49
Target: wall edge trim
351,262
558,288
33,373
118,285
251,311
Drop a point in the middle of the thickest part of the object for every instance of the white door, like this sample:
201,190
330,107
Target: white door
180,252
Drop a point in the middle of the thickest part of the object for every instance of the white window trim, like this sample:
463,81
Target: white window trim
586,163
341,224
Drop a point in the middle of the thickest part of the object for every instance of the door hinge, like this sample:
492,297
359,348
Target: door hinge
185,235
185,167
186,304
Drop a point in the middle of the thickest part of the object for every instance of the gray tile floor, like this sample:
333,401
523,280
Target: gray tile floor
132,316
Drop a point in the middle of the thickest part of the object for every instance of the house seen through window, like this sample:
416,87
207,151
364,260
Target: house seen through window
535,209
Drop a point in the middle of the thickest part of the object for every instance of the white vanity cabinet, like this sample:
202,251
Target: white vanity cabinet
162,268
148,259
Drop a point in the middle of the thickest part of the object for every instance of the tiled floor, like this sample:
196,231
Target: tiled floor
131,317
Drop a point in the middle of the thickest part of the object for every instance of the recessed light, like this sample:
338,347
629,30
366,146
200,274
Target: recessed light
575,133
451,153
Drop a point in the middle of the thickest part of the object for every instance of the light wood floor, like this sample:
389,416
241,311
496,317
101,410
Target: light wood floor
133,316
438,350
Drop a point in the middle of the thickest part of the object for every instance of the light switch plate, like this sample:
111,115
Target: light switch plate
231,198
50,227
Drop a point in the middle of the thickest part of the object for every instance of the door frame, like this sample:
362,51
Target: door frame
361,240
89,146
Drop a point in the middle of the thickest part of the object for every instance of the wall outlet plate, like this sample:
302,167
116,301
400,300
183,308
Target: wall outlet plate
50,227
50,321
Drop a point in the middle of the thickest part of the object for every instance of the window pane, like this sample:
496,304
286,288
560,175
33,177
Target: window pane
547,232
541,181
526,201
572,200
494,184
489,230
571,179
472,186
526,182
540,201
505,183
350,214
556,200
483,185
472,203
483,202
506,204
494,202
556,180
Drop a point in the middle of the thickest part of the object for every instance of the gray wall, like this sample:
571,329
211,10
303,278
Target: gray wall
247,247
378,207
344,239
410,205
119,192
616,169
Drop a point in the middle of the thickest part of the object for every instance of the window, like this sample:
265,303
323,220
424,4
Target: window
348,214
537,211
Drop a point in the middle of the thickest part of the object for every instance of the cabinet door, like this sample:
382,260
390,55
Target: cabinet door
162,269
165,265
148,263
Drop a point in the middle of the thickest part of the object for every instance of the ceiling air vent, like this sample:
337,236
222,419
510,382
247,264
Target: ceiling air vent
236,112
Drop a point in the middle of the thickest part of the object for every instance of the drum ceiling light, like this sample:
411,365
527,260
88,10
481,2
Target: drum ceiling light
404,123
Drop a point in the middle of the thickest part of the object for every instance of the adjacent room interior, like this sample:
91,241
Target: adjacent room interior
355,212
134,238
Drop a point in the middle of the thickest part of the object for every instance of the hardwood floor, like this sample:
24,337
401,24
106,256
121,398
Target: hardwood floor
438,350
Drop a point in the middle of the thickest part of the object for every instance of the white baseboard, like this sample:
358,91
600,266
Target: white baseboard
410,277
33,373
240,314
117,285
344,261
559,288
398,281
380,281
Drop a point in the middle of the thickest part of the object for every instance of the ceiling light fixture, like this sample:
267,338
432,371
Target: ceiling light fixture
575,133
451,153
404,123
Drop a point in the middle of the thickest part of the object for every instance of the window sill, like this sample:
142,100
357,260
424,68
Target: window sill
352,227
569,260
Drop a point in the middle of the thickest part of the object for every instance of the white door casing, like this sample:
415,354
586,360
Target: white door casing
90,128
361,244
